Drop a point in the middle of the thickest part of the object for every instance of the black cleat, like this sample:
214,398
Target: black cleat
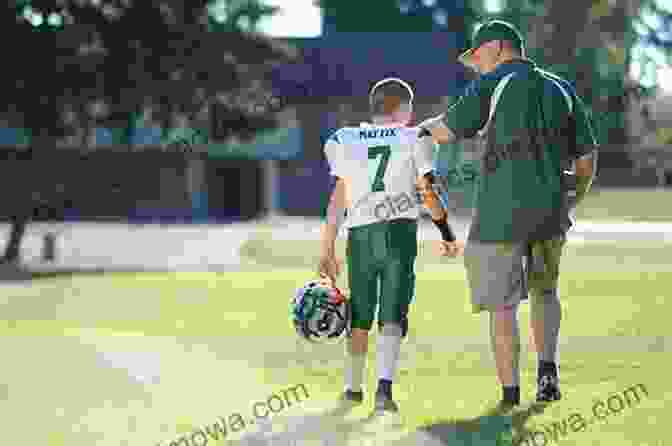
353,397
385,404
548,389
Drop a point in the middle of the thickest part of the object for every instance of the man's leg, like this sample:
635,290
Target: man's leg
505,344
546,313
363,282
397,290
497,282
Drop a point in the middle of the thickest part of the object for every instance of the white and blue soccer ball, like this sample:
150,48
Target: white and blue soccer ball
320,312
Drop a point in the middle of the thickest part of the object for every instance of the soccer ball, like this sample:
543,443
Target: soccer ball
320,312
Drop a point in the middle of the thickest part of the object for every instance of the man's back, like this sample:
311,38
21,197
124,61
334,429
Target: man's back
529,141
381,165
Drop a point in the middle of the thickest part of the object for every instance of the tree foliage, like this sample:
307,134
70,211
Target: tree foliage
397,15
655,25
591,44
109,59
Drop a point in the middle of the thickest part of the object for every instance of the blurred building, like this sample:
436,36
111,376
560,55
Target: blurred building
329,89
132,174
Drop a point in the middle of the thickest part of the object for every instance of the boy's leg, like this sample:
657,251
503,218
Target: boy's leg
397,291
363,283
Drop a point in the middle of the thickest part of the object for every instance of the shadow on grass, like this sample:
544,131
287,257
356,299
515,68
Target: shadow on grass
495,427
323,427
13,275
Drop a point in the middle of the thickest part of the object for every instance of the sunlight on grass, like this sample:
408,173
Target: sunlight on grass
226,339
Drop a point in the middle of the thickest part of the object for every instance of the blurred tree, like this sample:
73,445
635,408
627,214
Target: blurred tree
654,25
601,69
238,15
589,43
398,15
87,64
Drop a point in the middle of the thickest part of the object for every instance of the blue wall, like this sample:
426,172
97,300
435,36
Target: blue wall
348,64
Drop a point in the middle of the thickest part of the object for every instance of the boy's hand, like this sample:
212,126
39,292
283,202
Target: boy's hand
451,249
329,267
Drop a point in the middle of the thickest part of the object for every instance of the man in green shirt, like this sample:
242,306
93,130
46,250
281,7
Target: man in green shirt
533,127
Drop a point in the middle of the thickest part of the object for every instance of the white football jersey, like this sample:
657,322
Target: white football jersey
380,165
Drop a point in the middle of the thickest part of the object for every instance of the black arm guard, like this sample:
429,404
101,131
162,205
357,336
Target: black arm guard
442,225
447,233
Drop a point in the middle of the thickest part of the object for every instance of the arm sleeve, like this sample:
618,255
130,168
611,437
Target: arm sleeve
424,151
470,113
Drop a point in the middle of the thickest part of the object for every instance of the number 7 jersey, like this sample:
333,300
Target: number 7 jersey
380,166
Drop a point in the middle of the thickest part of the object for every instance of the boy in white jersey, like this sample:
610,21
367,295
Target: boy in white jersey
379,169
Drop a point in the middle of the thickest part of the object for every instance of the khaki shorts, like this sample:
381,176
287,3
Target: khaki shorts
503,273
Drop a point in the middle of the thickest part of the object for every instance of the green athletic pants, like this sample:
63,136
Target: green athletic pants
381,270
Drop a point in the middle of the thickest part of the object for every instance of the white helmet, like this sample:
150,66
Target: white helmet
406,109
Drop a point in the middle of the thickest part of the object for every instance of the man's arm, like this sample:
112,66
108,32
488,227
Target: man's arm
584,168
585,151
464,118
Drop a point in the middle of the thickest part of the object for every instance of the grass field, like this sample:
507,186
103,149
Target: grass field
148,359
627,205
142,359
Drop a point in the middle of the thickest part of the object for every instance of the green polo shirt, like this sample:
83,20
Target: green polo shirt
538,127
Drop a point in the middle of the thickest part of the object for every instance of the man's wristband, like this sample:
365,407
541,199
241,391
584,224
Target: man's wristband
447,233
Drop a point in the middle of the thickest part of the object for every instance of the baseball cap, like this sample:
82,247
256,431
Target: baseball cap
494,30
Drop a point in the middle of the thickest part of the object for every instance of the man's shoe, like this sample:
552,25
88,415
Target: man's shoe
505,406
548,389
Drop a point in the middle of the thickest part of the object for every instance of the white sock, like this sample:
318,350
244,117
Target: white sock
354,371
389,347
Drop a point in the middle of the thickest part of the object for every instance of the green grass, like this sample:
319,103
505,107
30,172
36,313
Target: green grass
225,341
628,205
